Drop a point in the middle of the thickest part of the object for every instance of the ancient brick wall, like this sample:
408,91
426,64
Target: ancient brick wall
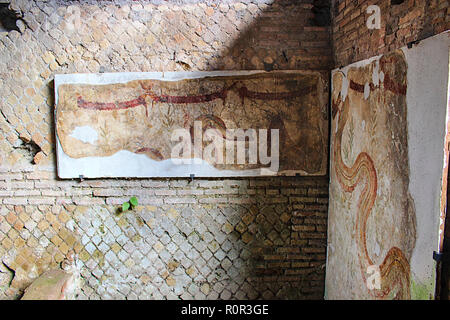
207,238
402,22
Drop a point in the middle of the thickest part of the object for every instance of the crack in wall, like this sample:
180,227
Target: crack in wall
7,275
26,146
11,19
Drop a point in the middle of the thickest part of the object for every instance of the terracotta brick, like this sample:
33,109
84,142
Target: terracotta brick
347,19
11,218
18,225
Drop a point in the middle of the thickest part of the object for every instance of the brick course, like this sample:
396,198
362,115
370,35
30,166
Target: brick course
410,21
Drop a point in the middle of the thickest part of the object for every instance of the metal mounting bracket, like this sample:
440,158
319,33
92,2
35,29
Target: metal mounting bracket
441,256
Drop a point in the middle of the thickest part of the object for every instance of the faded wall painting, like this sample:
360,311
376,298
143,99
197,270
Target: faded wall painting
388,165
123,124
372,229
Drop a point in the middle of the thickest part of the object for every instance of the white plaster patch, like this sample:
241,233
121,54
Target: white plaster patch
85,134
344,89
375,73
139,165
377,249
366,90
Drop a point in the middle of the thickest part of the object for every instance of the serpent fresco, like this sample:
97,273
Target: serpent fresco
394,270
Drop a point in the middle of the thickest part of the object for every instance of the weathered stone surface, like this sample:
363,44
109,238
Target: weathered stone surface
52,285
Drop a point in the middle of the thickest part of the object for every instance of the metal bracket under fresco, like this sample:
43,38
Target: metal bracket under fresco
412,43
441,256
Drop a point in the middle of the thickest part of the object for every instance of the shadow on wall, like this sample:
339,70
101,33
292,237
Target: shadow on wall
285,35
10,19
284,262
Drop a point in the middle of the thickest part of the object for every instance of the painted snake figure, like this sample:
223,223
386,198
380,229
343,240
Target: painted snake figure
395,269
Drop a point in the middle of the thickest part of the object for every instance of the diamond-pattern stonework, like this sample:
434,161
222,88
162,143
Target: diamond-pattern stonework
183,251
258,238
164,261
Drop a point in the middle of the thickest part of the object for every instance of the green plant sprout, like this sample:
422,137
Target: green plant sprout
129,205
